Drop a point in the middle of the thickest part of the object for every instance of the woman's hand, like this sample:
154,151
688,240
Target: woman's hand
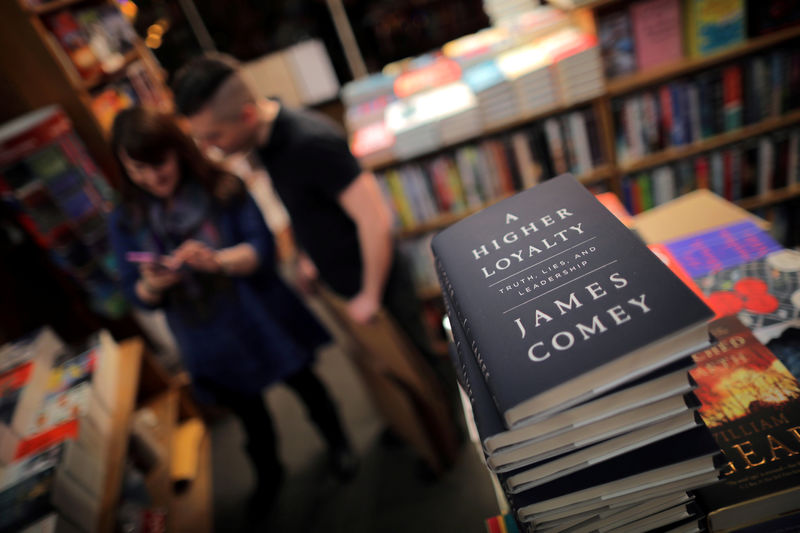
198,256
154,280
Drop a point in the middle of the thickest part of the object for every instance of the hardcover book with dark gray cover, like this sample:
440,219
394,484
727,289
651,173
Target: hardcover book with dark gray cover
560,302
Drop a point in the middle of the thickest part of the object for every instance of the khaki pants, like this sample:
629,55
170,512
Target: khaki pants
403,385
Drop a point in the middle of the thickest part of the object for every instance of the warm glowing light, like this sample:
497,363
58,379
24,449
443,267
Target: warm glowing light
129,9
153,41
155,30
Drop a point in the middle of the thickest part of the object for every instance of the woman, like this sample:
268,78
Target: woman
208,263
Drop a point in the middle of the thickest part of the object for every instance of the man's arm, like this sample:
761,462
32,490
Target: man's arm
363,202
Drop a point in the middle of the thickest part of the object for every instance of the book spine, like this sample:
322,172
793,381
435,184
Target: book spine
732,97
524,159
736,173
594,138
556,145
794,160
455,184
449,296
400,199
766,165
581,140
717,174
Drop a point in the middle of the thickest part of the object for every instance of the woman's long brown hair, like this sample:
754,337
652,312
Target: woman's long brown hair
148,136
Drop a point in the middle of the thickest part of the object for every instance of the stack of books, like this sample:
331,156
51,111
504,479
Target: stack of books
500,11
577,64
366,89
478,47
456,110
751,404
573,342
494,93
528,70
415,130
55,405
373,144
367,113
536,23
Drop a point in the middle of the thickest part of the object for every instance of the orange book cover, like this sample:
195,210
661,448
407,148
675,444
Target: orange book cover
751,404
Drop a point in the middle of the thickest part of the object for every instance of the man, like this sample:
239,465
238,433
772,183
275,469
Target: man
339,219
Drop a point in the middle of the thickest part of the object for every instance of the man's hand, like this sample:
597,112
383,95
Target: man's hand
306,275
197,255
363,307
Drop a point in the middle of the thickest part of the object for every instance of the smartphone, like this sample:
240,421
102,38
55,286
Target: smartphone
143,257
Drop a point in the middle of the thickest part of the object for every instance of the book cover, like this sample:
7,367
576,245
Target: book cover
713,25
23,389
732,97
763,293
751,404
549,277
72,39
616,43
658,396
657,32
55,479
25,489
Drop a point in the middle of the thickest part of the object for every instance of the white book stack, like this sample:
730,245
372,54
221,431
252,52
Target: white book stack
477,47
536,24
367,113
415,131
577,65
373,144
500,11
457,110
365,89
528,70
63,477
494,92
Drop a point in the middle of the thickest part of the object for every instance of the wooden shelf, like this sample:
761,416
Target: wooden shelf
771,197
191,510
159,482
679,152
639,80
55,5
107,77
600,173
130,361
442,221
495,129
567,5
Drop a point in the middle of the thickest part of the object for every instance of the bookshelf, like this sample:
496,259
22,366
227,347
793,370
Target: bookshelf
674,153
618,168
130,358
517,122
611,173
625,84
145,384
55,5
45,75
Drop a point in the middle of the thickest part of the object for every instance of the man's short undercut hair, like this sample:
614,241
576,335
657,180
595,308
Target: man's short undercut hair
213,80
